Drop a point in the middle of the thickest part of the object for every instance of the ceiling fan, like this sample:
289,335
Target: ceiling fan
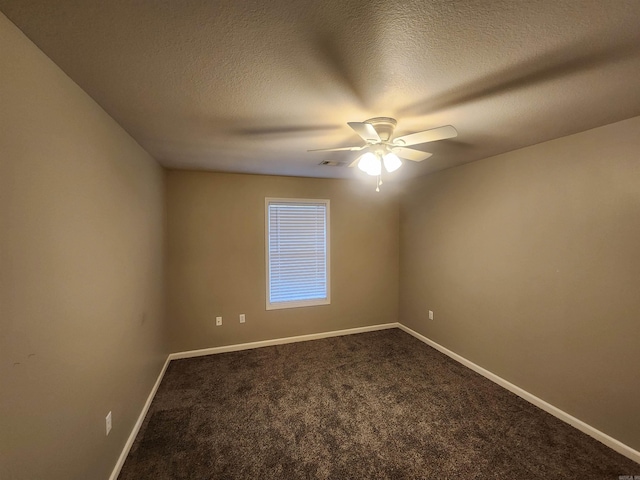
383,150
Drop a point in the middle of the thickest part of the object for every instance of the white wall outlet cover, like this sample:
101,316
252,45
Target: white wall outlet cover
218,321
108,422
430,314
242,318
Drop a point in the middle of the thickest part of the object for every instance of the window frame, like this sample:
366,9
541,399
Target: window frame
297,303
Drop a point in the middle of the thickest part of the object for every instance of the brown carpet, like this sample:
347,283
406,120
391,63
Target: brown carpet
378,405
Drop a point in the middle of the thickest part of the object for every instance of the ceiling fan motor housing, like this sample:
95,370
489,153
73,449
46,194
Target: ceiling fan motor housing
384,126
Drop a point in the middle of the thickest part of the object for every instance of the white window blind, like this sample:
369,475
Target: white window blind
297,253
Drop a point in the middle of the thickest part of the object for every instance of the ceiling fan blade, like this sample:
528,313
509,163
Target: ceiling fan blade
339,149
432,135
411,154
366,131
354,163
285,130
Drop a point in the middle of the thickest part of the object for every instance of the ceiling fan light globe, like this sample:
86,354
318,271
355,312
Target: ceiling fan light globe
391,162
369,163
375,168
365,161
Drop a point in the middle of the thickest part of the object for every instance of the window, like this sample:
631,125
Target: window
297,250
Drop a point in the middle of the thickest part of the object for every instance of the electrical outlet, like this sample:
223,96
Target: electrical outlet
242,318
218,321
108,422
430,314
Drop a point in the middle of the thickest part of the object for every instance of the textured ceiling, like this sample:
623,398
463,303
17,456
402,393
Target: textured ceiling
249,86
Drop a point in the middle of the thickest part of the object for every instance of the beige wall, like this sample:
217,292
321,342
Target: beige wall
216,259
81,212
531,262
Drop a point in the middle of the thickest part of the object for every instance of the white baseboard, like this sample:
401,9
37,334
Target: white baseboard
538,402
280,341
136,427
